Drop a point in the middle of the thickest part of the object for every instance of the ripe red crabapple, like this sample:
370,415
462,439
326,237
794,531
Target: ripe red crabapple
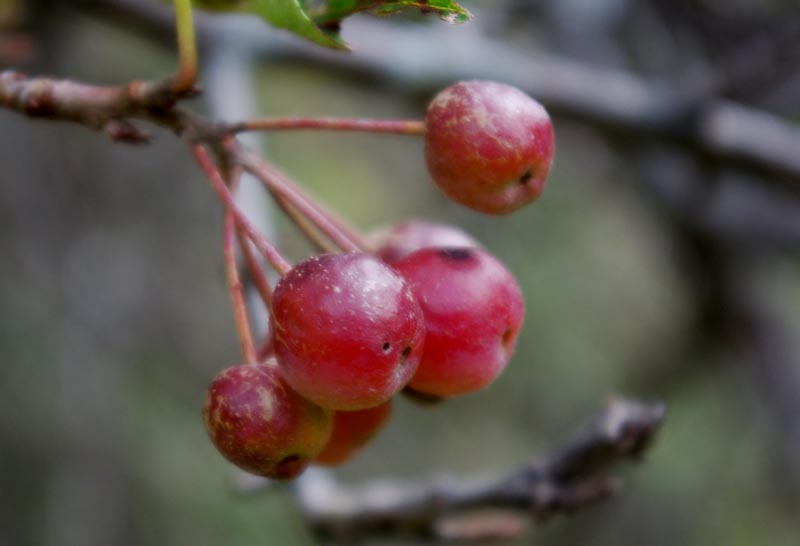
351,431
348,331
473,311
393,243
261,425
488,145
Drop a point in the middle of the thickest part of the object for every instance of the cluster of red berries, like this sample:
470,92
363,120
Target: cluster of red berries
426,311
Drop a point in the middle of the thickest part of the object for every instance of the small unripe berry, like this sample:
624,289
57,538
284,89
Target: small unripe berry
473,311
261,425
488,145
393,243
351,431
348,331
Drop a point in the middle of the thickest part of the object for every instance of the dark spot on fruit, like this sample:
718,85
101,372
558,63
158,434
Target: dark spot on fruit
290,459
387,347
401,364
526,176
507,339
456,254
289,467
422,398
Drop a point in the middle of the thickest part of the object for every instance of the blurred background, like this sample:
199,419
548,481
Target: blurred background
661,262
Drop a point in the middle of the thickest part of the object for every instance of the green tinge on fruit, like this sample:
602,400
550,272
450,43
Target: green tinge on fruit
261,425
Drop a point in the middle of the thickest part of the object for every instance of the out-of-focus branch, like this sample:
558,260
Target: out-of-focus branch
766,343
573,477
111,108
732,303
103,108
420,59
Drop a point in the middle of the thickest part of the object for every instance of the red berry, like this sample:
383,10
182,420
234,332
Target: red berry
261,425
473,312
488,145
351,431
394,243
348,331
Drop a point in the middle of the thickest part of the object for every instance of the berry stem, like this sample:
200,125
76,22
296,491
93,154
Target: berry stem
262,244
345,238
253,266
234,175
187,47
303,224
390,126
243,328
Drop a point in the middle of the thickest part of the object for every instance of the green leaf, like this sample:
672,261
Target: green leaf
319,20
290,15
286,14
333,11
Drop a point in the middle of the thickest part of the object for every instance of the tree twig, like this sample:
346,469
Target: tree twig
103,108
571,478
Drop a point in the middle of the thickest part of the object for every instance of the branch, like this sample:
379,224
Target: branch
389,126
570,479
101,108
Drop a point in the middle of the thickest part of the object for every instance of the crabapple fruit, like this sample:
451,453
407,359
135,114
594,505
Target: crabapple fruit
488,145
348,331
261,425
393,243
351,431
473,311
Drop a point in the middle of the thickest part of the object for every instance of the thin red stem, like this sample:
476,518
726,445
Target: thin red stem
259,279
339,224
243,328
262,244
253,266
277,182
391,126
302,223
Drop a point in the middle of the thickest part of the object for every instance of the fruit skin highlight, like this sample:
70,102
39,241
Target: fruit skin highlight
488,145
473,311
348,331
352,430
261,425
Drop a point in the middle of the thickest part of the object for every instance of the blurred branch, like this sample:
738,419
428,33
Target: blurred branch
732,304
420,59
103,108
570,479
765,341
